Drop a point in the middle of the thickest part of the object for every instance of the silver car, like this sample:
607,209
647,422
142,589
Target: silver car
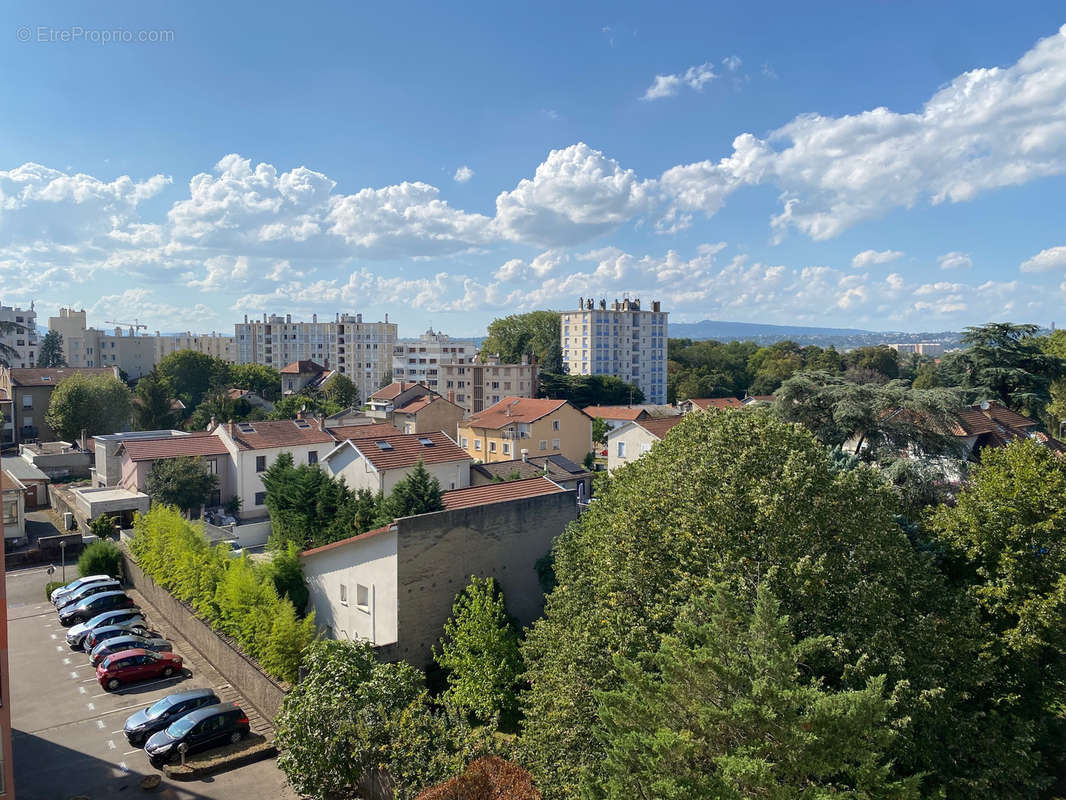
117,644
65,591
122,616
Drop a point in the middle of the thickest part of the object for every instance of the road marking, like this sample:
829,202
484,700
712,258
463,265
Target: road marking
66,661
114,732
81,690
73,675
59,648
90,706
100,724
169,680
130,752
111,744
55,636
88,680
122,766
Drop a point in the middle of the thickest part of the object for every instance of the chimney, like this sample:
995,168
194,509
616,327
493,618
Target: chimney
83,440
314,318
212,423
525,455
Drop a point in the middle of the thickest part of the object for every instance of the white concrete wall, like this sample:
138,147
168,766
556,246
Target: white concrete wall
351,465
637,442
371,563
449,474
248,481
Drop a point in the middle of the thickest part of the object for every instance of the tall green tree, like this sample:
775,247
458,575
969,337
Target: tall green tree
50,352
307,507
92,403
153,399
479,653
182,482
589,390
600,429
416,493
879,359
726,708
536,334
259,378
340,391
305,402
1055,345
192,374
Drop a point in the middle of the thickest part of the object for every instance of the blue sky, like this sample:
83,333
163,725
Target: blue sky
884,165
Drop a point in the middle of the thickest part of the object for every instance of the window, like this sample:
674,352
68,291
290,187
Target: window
492,447
362,597
507,448
260,463
312,457
645,447
555,424
462,442
27,401
621,449
260,498
212,466
477,444
543,444
344,594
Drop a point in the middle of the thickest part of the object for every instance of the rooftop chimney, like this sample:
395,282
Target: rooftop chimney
212,423
525,455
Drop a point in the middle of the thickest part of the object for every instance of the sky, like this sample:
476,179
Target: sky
889,166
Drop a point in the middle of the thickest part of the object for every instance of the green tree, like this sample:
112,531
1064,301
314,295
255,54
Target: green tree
259,378
50,352
727,709
479,653
100,558
307,507
418,492
92,403
102,527
182,482
590,390
306,402
218,405
532,334
192,374
285,570
771,366
340,391
600,429
1055,345
153,399
878,359
289,637
926,377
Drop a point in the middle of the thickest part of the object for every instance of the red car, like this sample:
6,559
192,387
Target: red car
130,666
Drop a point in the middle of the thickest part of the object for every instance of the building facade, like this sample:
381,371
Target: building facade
88,347
476,386
24,342
632,440
360,350
621,340
212,344
24,398
419,360
541,427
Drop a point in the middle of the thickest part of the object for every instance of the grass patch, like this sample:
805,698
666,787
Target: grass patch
254,747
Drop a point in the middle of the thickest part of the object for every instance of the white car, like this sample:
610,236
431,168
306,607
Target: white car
65,591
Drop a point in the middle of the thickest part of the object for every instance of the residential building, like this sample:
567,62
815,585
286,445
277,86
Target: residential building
616,416
299,375
623,340
921,348
254,446
419,360
13,495
29,475
709,403
430,413
361,430
541,426
398,393
7,765
394,586
136,458
251,398
559,469
379,463
88,347
24,398
218,345
476,386
24,342
106,467
360,350
631,441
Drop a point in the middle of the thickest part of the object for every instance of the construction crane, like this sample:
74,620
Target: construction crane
133,326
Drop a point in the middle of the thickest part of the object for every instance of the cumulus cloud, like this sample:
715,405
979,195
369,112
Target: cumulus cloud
870,257
732,63
955,260
1046,260
668,85
463,174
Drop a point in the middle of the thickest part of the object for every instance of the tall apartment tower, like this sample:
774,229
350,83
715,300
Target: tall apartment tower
88,347
360,350
23,342
620,340
419,360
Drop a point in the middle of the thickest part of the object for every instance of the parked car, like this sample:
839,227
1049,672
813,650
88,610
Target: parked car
87,590
163,713
135,627
122,616
63,591
154,644
130,666
91,606
199,730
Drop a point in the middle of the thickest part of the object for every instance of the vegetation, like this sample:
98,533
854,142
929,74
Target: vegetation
153,400
265,381
100,558
191,375
182,482
307,401
600,429
50,352
418,492
235,596
50,587
102,527
340,391
487,778
90,403
589,390
535,335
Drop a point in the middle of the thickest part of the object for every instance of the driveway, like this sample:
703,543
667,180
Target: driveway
67,731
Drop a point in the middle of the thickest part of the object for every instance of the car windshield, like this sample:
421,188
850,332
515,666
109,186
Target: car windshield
159,709
181,727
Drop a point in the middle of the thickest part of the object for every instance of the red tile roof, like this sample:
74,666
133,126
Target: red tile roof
616,412
236,394
174,447
277,433
301,367
499,492
406,449
395,389
349,540
50,377
373,430
659,426
515,409
715,402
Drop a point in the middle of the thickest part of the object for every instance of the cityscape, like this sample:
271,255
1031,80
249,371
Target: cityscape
533,403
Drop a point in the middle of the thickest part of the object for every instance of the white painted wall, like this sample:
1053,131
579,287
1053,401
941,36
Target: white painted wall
249,482
449,474
350,464
358,473
370,562
636,440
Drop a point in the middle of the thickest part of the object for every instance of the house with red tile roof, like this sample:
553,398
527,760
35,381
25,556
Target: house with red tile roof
379,463
396,395
631,441
301,374
429,413
541,426
136,457
394,586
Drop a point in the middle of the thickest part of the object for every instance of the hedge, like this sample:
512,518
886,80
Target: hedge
234,595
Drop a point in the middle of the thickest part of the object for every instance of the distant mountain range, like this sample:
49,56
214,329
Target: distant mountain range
801,334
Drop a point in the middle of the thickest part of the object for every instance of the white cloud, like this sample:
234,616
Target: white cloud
732,63
1046,260
463,174
223,271
868,257
668,85
955,260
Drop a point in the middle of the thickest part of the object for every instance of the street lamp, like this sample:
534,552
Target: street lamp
63,552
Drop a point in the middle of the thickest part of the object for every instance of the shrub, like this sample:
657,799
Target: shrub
102,527
100,558
50,587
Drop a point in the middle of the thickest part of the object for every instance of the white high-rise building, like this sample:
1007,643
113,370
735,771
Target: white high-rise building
360,350
23,342
418,360
620,340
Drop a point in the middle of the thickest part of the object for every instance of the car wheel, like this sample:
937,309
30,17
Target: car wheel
168,671
113,684
235,737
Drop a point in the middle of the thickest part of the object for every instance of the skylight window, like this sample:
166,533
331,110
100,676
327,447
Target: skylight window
426,442
303,423
384,445
245,427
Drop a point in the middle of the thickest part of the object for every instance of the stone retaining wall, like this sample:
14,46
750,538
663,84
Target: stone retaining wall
244,675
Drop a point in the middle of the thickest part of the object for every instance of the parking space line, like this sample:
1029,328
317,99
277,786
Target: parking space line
131,752
141,686
81,690
111,744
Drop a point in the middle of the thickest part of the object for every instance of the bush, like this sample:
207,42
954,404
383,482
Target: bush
100,558
234,595
50,587
102,527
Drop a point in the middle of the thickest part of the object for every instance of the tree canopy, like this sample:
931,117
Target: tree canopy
50,351
153,398
95,404
589,390
259,378
182,482
192,375
340,391
535,334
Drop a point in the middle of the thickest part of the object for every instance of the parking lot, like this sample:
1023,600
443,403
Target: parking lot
67,737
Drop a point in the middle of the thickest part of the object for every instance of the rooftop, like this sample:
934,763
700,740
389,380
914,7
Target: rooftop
395,389
515,409
499,492
50,377
659,426
154,449
560,468
358,537
616,412
302,367
715,402
276,433
22,469
402,450
373,430
9,483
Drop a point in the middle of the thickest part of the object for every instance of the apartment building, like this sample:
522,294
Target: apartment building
24,398
622,340
540,427
921,348
419,360
88,347
476,386
23,342
212,344
360,350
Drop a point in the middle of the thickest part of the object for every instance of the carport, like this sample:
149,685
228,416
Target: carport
118,503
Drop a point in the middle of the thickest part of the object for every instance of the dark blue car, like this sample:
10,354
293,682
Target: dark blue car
203,729
161,714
